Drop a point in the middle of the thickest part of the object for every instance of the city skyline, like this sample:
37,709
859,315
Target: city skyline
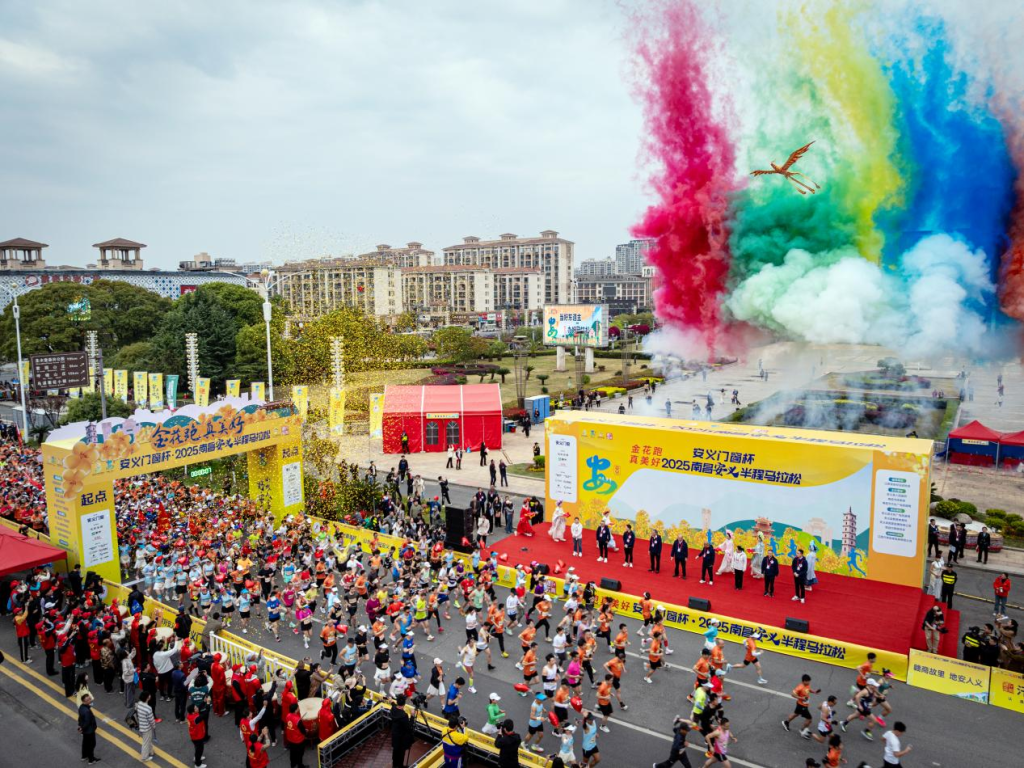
293,138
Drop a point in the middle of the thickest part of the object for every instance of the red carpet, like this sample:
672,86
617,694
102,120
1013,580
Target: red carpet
869,613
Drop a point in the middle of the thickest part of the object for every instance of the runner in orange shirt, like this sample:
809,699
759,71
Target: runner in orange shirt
617,668
654,656
621,641
646,606
604,701
702,669
864,671
526,637
802,694
529,667
752,654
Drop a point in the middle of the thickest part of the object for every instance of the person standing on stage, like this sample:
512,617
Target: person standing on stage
739,566
707,564
770,569
655,552
799,575
604,535
680,551
628,542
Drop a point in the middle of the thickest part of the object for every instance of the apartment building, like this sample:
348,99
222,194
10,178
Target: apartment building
317,286
596,268
442,290
413,255
549,253
623,293
630,257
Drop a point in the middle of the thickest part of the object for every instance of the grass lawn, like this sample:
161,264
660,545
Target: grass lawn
526,470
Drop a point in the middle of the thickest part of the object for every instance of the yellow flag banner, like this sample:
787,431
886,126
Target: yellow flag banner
202,392
1007,689
108,382
140,387
376,414
74,393
258,391
156,391
300,396
955,677
336,411
233,387
121,385
25,370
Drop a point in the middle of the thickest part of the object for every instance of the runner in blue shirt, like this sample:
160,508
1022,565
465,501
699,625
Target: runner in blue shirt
591,755
274,614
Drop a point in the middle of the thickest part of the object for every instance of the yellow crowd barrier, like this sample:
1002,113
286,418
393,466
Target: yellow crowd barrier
954,677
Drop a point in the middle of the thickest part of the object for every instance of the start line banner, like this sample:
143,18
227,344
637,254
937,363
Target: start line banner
821,649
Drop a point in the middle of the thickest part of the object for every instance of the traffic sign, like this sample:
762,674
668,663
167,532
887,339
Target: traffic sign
60,371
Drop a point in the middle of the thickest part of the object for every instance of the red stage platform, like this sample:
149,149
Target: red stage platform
869,613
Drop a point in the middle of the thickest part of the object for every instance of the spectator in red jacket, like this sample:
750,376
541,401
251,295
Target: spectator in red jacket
1002,590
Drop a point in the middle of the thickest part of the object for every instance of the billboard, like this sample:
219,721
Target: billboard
581,325
859,501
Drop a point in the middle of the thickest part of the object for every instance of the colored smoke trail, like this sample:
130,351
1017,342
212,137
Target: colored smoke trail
689,144
901,245
961,171
855,92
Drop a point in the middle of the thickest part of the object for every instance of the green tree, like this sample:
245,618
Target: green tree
89,408
244,305
201,313
140,356
454,343
121,314
503,372
405,322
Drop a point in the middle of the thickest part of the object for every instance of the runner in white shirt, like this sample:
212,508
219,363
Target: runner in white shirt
893,748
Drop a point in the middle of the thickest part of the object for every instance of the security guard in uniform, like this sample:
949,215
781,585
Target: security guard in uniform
972,645
948,583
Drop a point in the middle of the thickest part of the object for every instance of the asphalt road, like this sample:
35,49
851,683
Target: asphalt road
980,735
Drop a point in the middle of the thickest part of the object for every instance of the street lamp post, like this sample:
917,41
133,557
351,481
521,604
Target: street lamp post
267,313
17,332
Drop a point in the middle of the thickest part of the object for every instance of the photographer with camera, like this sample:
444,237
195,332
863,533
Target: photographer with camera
401,732
508,743
453,742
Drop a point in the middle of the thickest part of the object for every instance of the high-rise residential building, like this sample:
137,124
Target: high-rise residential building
630,257
448,289
596,268
518,289
624,294
317,286
549,253
413,255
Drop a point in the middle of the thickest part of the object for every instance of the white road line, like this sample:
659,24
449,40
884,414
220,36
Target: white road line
663,737
732,681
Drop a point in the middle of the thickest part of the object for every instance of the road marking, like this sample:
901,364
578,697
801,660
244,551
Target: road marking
114,722
640,729
62,707
752,686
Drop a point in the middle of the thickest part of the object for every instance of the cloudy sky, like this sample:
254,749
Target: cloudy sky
287,130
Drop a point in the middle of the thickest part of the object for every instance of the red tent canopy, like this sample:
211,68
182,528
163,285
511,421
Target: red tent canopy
975,431
19,553
434,417
1012,438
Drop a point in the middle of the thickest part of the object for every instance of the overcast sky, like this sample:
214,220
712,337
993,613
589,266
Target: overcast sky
288,130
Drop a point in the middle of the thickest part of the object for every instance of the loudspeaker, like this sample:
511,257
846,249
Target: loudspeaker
797,625
613,584
458,524
699,604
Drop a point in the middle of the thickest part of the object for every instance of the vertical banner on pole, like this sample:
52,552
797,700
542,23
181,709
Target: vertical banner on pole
202,392
24,374
258,391
172,390
376,414
121,385
74,393
336,411
108,382
233,387
300,396
140,388
156,391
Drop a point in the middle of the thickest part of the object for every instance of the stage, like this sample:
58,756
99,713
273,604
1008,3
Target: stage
870,613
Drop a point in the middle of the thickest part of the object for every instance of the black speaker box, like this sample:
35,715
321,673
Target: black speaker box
699,604
797,625
613,584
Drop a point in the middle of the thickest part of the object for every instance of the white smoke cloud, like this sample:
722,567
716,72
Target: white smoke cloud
930,306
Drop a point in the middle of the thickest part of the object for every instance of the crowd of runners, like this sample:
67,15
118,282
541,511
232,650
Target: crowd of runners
366,617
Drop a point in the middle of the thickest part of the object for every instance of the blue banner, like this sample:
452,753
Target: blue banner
172,390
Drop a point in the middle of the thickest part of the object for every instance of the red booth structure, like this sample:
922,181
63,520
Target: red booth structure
974,444
1011,450
435,417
